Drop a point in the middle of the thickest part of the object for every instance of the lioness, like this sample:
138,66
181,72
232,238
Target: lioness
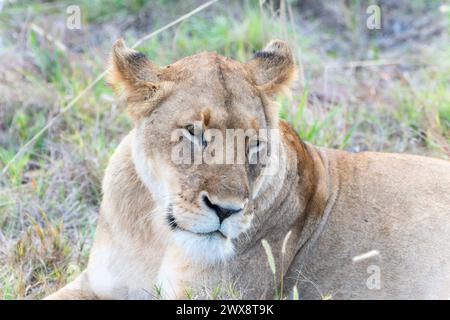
350,225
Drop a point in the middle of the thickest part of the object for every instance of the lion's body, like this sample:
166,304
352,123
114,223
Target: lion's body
396,204
365,225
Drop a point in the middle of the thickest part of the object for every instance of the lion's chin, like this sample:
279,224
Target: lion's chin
205,248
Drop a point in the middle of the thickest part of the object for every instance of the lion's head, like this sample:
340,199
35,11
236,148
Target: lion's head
204,187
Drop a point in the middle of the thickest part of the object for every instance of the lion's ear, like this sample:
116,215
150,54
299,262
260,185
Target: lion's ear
273,68
132,74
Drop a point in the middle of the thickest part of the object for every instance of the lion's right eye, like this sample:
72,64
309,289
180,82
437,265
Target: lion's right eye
196,135
190,128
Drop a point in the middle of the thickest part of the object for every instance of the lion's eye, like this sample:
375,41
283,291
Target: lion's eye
190,128
196,135
255,146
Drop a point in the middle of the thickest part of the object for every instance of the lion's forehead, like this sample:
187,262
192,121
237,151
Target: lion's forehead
208,70
208,80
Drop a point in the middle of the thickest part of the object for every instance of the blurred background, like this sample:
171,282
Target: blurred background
370,78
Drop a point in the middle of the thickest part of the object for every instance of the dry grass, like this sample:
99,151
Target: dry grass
358,90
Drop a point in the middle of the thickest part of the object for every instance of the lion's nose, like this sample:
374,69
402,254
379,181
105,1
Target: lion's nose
222,210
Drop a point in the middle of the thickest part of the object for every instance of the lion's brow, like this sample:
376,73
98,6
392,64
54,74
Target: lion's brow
255,124
206,116
221,75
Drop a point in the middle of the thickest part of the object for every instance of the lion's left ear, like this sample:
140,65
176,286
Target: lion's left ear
273,68
132,74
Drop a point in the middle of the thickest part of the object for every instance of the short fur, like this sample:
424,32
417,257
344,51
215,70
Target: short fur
337,206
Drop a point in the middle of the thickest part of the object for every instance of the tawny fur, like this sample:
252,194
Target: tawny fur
337,205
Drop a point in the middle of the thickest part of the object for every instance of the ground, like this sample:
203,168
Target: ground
358,89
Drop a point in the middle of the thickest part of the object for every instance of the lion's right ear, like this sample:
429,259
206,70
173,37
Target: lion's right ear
132,74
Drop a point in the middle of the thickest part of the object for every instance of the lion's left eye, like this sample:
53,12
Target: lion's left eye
255,146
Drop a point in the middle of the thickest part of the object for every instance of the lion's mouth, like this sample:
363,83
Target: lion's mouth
174,226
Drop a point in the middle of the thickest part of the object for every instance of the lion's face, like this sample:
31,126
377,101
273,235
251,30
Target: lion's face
202,140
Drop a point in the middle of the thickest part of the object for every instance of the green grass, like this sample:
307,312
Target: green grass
49,197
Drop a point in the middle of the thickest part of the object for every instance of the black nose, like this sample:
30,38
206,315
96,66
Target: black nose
221,212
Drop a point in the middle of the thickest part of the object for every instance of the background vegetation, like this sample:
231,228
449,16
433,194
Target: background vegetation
358,89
